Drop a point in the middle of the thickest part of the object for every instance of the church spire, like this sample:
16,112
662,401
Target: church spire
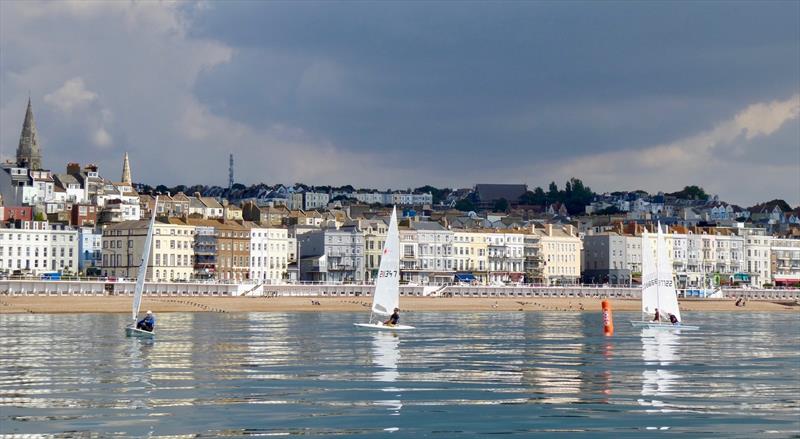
28,153
126,171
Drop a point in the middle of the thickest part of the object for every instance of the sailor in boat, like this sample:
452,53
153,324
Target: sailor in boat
657,317
147,323
394,319
673,319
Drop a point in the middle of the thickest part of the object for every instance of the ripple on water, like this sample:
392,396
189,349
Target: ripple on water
523,374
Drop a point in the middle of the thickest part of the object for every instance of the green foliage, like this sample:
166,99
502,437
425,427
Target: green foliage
465,205
501,205
439,195
691,193
39,216
535,198
610,210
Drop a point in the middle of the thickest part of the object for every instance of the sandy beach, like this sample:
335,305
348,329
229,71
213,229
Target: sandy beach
81,304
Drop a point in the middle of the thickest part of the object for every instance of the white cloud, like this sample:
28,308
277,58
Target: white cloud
101,138
71,94
709,158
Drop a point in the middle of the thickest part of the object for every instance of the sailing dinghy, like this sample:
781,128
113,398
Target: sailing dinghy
658,287
131,330
387,287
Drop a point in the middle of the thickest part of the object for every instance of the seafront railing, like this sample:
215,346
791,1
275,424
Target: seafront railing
36,287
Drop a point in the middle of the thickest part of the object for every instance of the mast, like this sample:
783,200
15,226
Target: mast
142,275
658,270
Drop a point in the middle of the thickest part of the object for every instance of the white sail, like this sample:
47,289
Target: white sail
667,296
387,285
649,277
137,294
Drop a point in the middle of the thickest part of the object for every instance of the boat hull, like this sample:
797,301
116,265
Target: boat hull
133,332
382,327
664,326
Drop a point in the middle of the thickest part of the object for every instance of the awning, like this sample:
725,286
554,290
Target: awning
744,277
465,277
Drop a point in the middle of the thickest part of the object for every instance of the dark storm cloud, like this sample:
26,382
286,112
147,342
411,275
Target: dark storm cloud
626,95
519,79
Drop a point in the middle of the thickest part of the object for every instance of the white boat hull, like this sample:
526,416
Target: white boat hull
133,332
381,326
665,326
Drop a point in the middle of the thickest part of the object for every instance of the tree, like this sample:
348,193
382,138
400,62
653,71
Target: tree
610,210
39,216
465,205
501,205
552,193
438,194
690,193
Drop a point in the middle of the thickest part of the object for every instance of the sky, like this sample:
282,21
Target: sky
623,95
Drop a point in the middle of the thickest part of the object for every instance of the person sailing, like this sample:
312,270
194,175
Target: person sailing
657,317
148,323
394,318
673,319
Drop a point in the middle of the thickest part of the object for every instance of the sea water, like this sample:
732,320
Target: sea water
457,374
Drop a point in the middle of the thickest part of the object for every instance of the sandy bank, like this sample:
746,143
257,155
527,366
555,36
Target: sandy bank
80,304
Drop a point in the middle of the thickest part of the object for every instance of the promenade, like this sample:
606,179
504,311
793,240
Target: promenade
36,296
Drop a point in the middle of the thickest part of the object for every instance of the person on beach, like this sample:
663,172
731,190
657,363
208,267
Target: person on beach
673,319
394,318
147,323
657,317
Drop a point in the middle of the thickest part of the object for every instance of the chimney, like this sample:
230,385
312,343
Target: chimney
73,168
549,229
570,229
224,211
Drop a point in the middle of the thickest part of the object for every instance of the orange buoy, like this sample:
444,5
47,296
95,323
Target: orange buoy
608,320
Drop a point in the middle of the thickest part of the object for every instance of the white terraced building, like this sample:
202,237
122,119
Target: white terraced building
38,247
269,252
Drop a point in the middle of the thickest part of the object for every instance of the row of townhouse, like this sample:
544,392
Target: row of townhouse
433,254
699,256
191,248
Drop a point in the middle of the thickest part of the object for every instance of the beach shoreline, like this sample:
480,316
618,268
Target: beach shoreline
110,304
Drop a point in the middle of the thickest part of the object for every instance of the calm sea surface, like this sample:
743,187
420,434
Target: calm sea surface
519,374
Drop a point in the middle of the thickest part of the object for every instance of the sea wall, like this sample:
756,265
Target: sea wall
25,287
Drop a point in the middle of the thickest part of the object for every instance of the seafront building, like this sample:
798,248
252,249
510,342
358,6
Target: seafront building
171,256
374,238
37,247
268,254
471,256
331,255
561,254
785,260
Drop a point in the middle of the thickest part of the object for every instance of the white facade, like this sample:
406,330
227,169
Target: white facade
757,255
785,261
38,248
269,254
506,256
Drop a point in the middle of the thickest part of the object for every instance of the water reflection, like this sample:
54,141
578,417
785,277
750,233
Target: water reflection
480,374
659,352
385,356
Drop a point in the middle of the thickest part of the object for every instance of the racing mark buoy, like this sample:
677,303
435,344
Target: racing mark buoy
608,320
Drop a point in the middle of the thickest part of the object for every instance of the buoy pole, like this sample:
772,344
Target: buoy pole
608,319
